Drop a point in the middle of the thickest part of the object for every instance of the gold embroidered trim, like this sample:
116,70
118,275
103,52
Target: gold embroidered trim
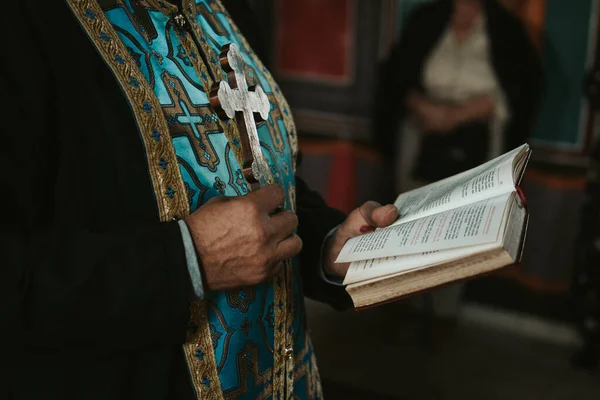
283,366
190,11
168,184
200,355
315,377
289,318
231,130
289,329
199,351
163,6
283,356
288,118
308,371
188,43
279,344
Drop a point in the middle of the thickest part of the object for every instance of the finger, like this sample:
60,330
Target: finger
288,248
282,225
366,211
384,216
359,221
268,198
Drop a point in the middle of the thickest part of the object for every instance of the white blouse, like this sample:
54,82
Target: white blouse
456,72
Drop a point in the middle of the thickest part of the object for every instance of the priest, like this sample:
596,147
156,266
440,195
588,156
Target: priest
156,243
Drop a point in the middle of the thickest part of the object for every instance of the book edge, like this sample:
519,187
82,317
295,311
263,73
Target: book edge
499,254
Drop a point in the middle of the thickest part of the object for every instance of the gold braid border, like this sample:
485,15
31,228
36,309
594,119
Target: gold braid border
289,317
189,42
283,366
308,371
198,349
315,378
200,355
288,118
231,130
168,184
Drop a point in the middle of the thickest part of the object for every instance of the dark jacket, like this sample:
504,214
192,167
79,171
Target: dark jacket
514,58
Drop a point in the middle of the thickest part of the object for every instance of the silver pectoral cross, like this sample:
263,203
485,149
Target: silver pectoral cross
248,105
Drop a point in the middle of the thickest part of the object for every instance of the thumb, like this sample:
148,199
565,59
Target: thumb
380,216
358,221
367,210
367,217
375,215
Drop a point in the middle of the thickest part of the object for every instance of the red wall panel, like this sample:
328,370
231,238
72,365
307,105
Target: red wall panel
315,39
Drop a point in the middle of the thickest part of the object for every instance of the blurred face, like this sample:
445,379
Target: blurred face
465,12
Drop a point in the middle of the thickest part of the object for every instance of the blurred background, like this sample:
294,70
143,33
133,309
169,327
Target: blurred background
391,94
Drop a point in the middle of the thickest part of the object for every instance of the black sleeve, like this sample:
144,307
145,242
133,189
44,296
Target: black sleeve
316,220
66,286
63,283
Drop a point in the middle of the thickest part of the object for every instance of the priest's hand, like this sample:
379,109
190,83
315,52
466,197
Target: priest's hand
239,243
364,219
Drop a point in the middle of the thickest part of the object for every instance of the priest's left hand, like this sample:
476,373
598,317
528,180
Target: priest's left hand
363,219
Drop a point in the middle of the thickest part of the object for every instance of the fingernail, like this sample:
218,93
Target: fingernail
366,228
391,209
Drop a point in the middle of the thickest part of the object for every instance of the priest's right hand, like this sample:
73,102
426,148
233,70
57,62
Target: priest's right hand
239,242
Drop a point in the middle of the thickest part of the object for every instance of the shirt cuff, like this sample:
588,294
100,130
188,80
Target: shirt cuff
192,261
327,278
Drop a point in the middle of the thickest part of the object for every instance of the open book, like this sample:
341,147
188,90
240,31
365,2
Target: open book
466,225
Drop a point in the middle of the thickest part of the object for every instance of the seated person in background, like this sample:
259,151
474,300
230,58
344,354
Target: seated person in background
463,83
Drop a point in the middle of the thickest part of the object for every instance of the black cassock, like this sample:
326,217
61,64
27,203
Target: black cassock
84,261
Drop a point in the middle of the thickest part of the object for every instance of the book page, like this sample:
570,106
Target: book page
488,180
469,225
381,267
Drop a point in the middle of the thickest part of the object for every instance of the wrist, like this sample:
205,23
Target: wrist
327,257
332,247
